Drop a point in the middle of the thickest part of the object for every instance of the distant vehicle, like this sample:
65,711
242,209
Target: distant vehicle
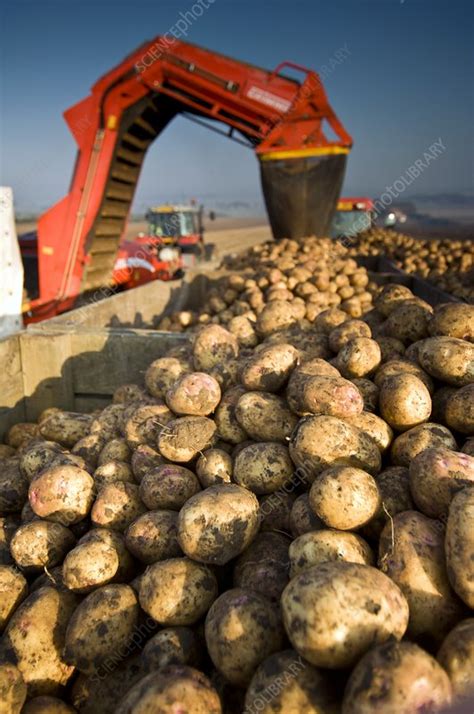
355,215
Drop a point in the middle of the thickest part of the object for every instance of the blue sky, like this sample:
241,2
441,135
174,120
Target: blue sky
407,80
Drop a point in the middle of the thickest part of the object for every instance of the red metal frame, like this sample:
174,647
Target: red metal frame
271,110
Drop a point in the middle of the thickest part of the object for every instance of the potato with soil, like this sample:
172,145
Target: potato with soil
13,487
424,436
40,544
185,437
285,684
347,331
217,524
448,359
390,297
331,636
277,315
168,486
269,369
115,450
375,427
100,557
408,322
163,373
194,394
453,320
66,428
228,428
460,545
99,694
37,456
213,467
171,645
145,423
153,536
411,552
369,392
143,459
332,396
116,506
404,401
174,688
177,591
111,472
214,346
101,626
323,441
436,475
34,640
456,656
358,358
12,689
396,678
263,468
63,494
460,410
47,705
242,628
13,590
394,488
265,417
326,545
344,497
20,435
302,518
263,566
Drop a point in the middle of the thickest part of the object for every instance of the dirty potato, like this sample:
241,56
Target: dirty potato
460,545
194,394
185,437
63,494
404,401
168,486
263,467
265,417
153,536
344,497
326,545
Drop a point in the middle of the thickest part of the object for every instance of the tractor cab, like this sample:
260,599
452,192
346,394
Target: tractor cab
352,216
178,225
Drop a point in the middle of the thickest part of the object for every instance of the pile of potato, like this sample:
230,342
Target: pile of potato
313,275
448,264
280,519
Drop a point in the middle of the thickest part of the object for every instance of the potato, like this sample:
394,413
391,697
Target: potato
128,393
12,689
143,459
327,635
453,320
449,359
34,639
265,416
171,645
277,315
100,557
408,322
146,423
67,428
323,441
285,684
393,485
6,451
63,494
344,497
460,410
115,450
460,545
13,487
174,688
404,401
373,426
302,518
228,427
327,320
186,437
332,396
396,678
347,331
89,448
424,436
468,448
217,524
275,511
163,373
242,327
397,367
263,468
99,693
177,591
13,589
37,456
8,526
47,705
242,628
111,472
327,545
369,392
456,656
116,506
269,369
153,536
168,486
107,424
101,625
214,346
20,434
40,544
358,358
435,476
390,296
390,347
213,467
411,552
263,566
194,394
